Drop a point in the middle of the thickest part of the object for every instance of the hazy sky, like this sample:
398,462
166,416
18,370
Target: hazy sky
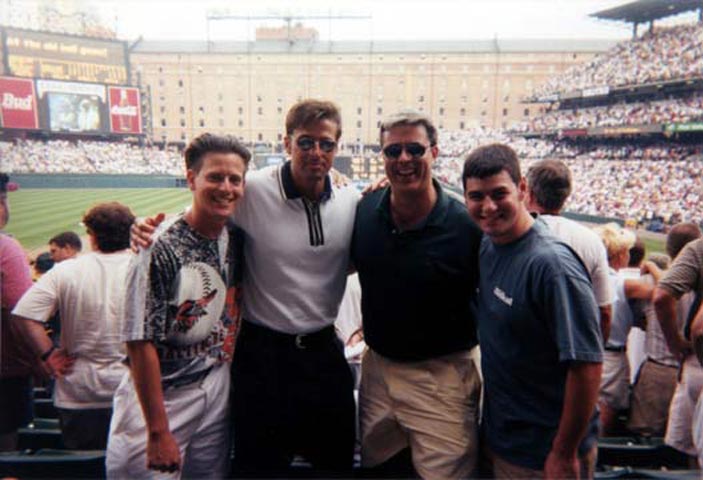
390,19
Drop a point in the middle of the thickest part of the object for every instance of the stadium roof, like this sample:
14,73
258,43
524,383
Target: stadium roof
642,11
300,47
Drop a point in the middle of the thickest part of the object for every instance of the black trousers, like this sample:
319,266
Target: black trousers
291,396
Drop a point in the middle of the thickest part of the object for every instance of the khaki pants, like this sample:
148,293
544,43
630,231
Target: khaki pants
615,381
651,398
430,406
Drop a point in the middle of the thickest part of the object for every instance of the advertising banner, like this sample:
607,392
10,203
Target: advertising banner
72,107
548,98
627,130
573,132
18,103
684,127
596,91
125,111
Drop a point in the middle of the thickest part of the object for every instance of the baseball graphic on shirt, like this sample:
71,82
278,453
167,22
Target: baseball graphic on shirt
198,304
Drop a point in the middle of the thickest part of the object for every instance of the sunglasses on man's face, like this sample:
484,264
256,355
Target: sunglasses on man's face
414,149
307,143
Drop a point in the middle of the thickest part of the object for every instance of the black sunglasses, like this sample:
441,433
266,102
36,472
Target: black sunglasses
414,149
307,143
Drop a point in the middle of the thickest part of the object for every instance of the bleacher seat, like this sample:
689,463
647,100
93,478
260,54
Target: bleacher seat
49,463
638,452
45,423
41,392
44,408
625,473
40,435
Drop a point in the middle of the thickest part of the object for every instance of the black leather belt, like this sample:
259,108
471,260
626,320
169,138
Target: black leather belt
621,349
301,341
185,379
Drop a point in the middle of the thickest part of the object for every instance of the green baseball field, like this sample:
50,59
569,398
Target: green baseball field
36,215
39,214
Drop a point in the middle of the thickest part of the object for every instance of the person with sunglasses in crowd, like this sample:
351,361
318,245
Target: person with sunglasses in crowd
292,389
416,251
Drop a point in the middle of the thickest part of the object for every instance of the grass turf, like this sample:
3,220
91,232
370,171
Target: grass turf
39,214
36,215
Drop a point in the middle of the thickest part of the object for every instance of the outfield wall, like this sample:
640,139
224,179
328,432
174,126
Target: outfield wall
64,180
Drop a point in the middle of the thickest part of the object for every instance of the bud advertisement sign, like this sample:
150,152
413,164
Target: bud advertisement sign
18,105
125,114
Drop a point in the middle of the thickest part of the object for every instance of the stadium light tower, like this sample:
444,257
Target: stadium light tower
286,16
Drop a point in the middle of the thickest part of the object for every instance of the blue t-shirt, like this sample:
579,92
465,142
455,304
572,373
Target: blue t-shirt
536,313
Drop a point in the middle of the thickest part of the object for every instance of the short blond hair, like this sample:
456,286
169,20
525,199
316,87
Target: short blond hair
615,238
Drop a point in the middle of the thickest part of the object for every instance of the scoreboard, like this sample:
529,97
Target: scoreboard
32,54
62,83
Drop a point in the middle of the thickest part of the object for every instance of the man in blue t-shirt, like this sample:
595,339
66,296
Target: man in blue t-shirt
538,326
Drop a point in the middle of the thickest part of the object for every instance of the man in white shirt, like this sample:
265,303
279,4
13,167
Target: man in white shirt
88,292
549,186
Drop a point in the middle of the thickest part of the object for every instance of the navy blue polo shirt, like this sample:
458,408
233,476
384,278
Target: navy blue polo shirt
417,285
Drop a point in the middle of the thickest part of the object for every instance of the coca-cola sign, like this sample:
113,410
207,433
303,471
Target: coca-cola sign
125,115
18,104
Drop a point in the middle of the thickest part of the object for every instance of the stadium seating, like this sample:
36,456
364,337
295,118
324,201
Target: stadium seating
675,110
44,408
50,463
638,452
663,54
628,472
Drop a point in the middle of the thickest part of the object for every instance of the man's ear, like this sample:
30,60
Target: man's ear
527,200
435,151
190,178
522,189
287,144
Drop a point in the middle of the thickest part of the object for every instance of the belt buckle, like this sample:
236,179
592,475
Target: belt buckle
299,342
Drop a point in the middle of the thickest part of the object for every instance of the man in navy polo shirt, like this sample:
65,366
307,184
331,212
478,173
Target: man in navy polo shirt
416,251
541,346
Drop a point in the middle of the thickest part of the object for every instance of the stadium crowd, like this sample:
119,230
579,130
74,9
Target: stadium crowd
553,303
666,53
619,179
638,190
52,19
675,110
516,252
622,180
61,156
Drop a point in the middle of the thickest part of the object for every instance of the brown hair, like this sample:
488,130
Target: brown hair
306,112
489,160
549,182
67,238
206,143
109,223
679,235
